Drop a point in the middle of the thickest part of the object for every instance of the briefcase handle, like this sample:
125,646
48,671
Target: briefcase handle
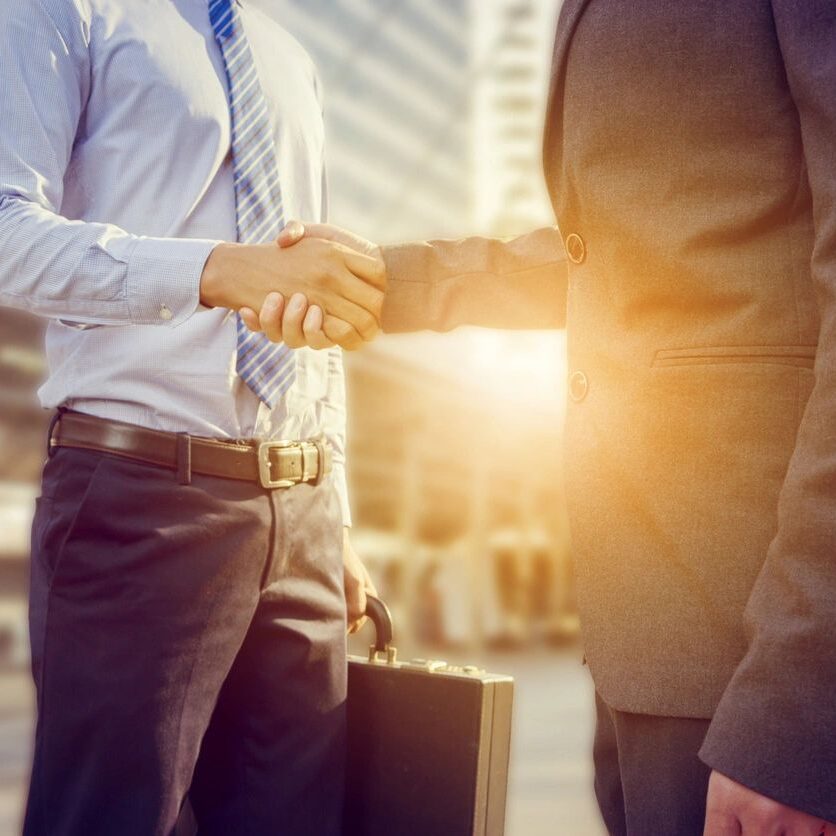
378,613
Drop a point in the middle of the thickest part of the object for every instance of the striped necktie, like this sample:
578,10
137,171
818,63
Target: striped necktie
268,368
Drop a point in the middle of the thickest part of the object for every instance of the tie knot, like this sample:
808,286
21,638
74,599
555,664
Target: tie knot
221,17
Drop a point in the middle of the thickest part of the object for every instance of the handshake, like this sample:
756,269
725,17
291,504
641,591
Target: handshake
317,285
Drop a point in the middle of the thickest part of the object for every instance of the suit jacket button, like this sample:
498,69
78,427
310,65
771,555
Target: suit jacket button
578,386
575,248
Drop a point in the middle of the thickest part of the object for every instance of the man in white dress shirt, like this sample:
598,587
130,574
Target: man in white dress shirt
189,567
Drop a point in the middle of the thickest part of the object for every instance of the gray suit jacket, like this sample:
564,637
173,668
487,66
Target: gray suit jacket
690,151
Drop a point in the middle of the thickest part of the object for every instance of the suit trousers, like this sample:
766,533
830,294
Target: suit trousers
648,778
186,640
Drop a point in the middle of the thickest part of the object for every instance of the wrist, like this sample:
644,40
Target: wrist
213,284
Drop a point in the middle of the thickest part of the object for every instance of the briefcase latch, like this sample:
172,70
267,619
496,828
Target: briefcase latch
391,654
380,616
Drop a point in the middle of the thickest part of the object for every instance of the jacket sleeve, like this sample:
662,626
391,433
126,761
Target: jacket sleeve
497,283
775,728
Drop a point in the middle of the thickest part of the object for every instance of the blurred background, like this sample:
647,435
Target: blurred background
434,115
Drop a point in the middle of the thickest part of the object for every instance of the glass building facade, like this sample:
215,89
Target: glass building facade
397,88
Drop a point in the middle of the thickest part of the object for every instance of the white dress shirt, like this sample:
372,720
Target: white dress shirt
115,184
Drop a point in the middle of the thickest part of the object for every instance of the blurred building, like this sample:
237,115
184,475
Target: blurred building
22,368
398,90
22,452
459,498
512,44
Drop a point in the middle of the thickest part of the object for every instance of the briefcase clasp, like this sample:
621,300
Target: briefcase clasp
391,654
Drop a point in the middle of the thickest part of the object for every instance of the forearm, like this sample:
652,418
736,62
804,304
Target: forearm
497,283
775,726
95,273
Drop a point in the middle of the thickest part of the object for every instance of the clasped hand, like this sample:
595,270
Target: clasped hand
302,320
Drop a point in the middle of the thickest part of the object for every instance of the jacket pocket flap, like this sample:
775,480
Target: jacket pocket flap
784,355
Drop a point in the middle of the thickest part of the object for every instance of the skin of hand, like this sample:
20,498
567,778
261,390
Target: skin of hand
302,321
733,809
331,275
358,584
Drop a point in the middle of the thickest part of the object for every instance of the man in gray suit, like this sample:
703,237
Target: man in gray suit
690,151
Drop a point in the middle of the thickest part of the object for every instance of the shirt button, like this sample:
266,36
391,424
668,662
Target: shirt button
575,248
578,386
165,312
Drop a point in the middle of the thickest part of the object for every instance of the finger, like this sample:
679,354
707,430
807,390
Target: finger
368,268
358,612
342,333
294,316
339,303
328,232
357,626
355,601
292,234
270,316
250,318
721,823
312,328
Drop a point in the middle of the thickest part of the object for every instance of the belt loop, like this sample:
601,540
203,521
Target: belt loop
322,469
184,458
50,447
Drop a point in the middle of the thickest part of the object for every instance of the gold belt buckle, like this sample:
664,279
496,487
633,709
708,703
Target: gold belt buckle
265,464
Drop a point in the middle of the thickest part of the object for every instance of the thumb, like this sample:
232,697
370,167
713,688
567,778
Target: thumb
721,824
293,233
338,235
355,607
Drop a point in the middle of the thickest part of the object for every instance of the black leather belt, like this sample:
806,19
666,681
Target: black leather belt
272,464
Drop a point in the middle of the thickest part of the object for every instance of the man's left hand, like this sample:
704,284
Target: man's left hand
733,809
358,584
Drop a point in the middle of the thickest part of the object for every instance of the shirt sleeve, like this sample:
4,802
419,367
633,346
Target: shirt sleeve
334,405
775,727
93,273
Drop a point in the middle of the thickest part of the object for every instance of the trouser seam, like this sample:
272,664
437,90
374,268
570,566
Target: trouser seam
190,678
41,691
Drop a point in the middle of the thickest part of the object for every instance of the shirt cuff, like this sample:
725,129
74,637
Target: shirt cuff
163,280
341,485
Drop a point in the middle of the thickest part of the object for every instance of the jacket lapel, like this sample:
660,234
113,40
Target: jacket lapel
570,14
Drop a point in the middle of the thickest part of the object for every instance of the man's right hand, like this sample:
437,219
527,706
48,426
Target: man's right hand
302,321
345,283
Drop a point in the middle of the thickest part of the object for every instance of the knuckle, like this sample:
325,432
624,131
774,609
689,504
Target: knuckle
330,279
373,303
368,325
342,330
270,331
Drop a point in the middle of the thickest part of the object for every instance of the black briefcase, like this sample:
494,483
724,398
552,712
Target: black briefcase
428,744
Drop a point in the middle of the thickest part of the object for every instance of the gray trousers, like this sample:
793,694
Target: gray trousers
648,778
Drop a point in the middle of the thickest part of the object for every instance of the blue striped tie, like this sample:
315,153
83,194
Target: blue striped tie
269,369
